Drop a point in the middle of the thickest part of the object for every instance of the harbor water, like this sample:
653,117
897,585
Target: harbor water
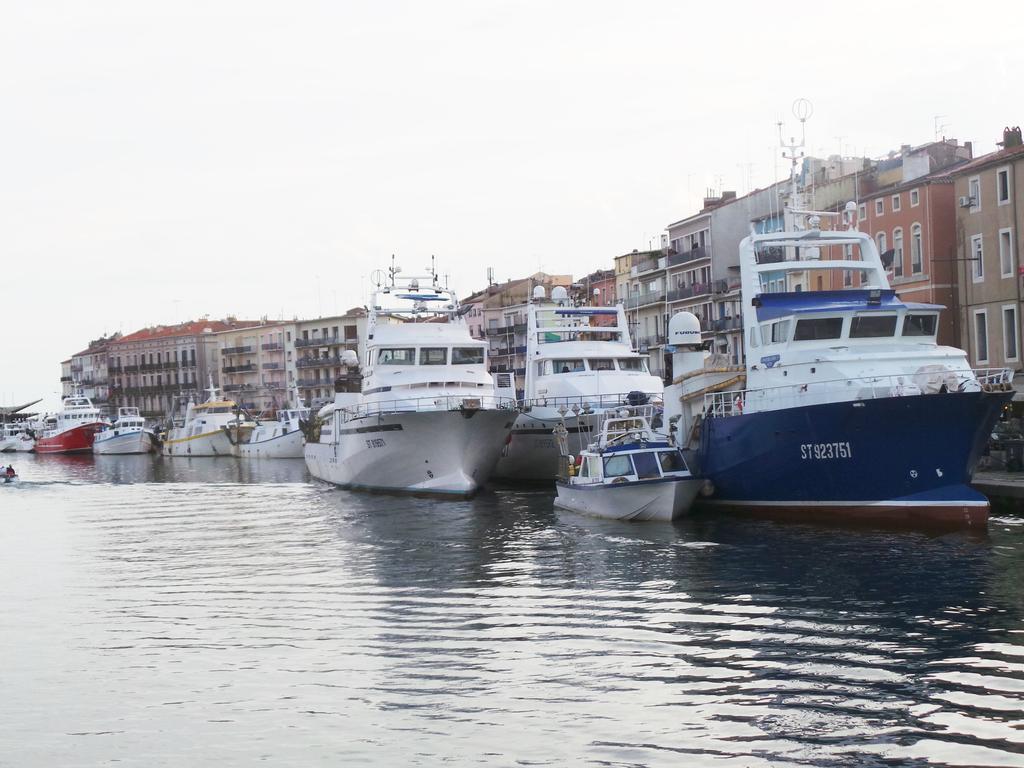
168,612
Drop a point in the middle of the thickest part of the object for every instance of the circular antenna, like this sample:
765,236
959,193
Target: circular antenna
377,277
558,293
802,109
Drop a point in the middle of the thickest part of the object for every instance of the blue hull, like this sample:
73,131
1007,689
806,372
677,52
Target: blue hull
895,460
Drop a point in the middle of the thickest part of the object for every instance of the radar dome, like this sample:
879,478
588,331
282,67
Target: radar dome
349,358
539,292
558,293
684,329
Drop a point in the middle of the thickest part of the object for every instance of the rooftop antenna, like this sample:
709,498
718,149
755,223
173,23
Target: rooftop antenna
393,270
939,126
490,276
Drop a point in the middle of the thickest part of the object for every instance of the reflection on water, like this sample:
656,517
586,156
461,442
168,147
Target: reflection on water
203,612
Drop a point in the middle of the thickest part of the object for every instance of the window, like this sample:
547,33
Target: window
433,356
915,198
617,466
895,203
916,258
977,259
568,366
879,207
631,364
601,364
1009,333
1006,252
818,328
981,335
873,326
671,461
974,192
467,355
646,466
897,252
862,212
402,356
1003,186
779,332
880,239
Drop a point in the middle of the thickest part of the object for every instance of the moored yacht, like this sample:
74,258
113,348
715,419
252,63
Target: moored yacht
212,428
128,434
280,438
850,408
73,428
419,413
579,360
17,437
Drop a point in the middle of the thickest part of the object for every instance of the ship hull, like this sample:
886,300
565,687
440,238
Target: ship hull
897,460
430,452
75,440
531,453
215,443
19,444
661,500
124,443
286,446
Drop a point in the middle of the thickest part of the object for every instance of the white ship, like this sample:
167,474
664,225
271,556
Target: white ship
212,428
17,438
421,413
579,360
128,434
628,472
281,438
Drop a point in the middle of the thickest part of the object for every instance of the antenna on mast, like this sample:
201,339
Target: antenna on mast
794,151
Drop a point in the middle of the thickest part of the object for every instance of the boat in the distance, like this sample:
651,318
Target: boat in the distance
280,438
73,428
212,428
128,434
627,473
579,359
421,413
850,408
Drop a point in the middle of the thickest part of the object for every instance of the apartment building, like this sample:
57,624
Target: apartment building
989,219
253,368
159,368
317,347
641,284
89,372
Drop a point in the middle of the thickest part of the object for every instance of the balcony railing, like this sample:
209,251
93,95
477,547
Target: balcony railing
506,330
239,368
271,346
324,341
310,383
728,285
728,324
66,378
686,257
689,291
238,387
243,350
318,362
644,299
273,366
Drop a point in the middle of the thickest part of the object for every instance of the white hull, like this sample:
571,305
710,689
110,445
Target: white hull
205,444
130,442
17,445
531,453
663,500
286,446
442,452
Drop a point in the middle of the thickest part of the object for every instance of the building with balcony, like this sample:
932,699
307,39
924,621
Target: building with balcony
158,369
990,282
641,287
318,346
88,370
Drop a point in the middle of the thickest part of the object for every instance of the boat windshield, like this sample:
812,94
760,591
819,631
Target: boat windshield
646,465
873,326
467,355
617,466
400,356
631,364
919,325
601,364
671,461
568,366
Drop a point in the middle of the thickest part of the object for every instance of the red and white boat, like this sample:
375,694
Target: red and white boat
73,428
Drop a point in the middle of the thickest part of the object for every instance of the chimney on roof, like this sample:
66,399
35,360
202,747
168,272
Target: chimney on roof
1011,137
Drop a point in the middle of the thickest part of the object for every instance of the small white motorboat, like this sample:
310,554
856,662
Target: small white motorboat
627,473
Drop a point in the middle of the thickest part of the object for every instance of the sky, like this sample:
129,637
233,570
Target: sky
161,161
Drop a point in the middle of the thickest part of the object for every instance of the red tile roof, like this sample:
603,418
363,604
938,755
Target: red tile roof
990,159
191,328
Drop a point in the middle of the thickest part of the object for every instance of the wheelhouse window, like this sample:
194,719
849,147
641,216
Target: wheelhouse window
433,356
467,355
397,356
632,364
568,366
919,325
617,466
671,461
646,466
775,333
601,364
818,328
872,326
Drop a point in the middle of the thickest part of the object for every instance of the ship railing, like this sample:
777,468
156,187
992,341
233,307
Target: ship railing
737,402
467,402
586,403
